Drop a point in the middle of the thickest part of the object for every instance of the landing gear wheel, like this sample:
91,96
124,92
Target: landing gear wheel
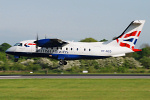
62,62
65,62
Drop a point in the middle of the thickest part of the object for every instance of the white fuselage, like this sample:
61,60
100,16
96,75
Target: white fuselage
72,50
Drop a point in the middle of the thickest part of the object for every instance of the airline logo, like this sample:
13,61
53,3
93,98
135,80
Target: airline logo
29,44
129,40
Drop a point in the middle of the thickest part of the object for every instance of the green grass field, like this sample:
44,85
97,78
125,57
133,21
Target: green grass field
75,89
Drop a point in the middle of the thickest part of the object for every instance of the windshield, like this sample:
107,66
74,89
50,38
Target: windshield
18,44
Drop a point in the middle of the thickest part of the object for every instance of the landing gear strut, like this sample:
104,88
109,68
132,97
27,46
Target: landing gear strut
16,58
62,62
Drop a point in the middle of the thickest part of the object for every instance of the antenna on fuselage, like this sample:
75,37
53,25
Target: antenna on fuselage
45,36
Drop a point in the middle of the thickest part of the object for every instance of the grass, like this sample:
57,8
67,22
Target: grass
74,89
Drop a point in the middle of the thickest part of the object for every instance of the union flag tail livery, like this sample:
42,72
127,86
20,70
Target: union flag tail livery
131,34
67,50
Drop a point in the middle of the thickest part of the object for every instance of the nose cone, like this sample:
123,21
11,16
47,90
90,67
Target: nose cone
10,50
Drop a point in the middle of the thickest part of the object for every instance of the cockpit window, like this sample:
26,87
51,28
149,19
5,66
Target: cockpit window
18,44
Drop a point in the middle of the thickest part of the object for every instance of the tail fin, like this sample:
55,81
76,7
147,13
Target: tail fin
130,35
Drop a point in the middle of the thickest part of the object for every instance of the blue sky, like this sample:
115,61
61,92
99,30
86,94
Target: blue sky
70,19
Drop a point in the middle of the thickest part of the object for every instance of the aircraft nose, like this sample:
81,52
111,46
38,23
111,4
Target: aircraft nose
10,50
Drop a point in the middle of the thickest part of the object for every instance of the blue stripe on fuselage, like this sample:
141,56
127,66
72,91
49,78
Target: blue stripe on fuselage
58,56
75,57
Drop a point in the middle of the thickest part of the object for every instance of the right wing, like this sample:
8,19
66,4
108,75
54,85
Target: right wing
50,43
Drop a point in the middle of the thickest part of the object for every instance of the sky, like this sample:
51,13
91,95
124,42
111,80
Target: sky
71,20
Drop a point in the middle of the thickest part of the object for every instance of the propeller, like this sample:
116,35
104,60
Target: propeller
36,42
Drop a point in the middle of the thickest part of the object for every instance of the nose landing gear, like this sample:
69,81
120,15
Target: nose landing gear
16,58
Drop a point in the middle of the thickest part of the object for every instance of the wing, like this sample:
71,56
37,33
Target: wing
50,43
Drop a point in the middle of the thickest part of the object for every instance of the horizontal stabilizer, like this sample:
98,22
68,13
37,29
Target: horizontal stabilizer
118,55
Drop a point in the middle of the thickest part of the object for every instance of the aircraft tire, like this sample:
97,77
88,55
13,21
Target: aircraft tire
61,62
65,62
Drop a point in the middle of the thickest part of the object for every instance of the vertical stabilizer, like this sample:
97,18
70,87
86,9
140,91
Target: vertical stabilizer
130,35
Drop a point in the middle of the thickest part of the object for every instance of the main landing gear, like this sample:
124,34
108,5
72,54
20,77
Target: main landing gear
62,62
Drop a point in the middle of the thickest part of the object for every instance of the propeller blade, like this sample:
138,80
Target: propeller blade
37,42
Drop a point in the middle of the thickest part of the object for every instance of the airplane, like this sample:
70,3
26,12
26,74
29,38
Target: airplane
67,50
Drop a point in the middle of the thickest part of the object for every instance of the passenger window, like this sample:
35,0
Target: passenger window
84,49
89,49
71,49
66,48
77,49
